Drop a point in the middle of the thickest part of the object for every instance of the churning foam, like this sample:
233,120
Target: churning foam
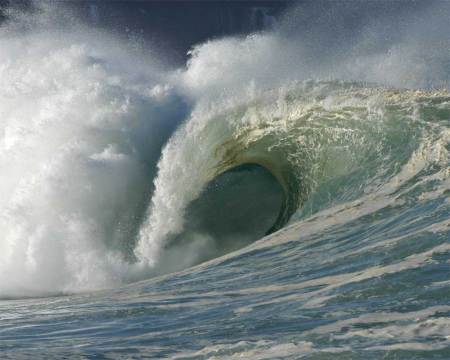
83,116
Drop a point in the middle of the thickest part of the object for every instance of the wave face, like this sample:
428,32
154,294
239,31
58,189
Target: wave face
280,196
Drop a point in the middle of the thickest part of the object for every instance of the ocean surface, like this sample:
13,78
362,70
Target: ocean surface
278,197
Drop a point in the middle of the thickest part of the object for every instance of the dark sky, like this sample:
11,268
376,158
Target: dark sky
174,26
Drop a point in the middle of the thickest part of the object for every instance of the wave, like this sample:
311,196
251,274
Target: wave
83,120
106,155
325,143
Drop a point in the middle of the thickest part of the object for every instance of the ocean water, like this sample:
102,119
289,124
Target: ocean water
276,198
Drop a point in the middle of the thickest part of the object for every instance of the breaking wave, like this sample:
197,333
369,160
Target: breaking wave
114,168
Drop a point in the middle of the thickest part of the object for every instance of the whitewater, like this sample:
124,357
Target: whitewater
282,195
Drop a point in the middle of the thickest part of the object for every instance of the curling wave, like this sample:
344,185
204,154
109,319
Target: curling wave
106,155
325,143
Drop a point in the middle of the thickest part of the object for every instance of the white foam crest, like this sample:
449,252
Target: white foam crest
79,120
380,50
259,350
